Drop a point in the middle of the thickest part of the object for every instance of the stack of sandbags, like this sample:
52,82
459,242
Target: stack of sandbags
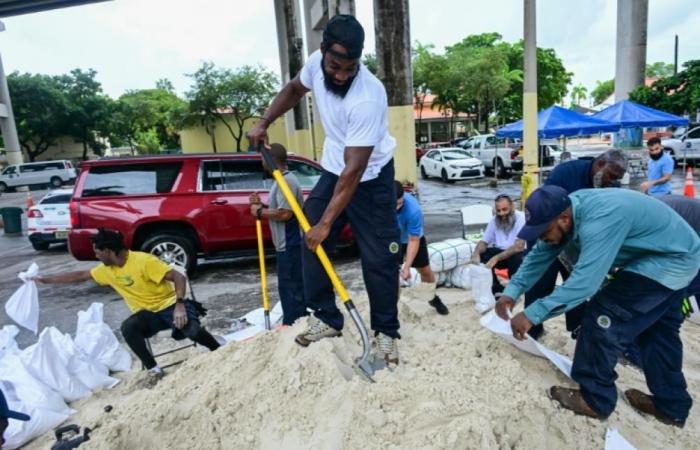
446,255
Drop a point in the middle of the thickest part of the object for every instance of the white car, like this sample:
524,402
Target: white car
45,173
48,222
450,164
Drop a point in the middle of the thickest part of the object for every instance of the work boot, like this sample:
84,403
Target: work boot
572,399
440,307
316,330
645,403
387,348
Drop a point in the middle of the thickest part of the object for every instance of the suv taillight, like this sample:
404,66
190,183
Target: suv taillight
514,154
74,208
34,214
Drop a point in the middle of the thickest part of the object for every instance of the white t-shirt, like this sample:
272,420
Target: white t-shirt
499,238
357,120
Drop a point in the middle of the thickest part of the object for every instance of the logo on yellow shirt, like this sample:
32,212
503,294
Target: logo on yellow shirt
125,280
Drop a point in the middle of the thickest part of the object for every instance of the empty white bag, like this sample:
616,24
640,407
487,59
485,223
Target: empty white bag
481,280
23,306
97,341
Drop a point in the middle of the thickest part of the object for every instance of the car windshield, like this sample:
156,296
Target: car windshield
679,132
456,154
56,199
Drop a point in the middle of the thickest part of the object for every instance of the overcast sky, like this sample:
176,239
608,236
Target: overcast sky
132,43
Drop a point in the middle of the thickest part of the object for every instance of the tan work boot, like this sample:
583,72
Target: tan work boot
645,403
387,348
572,399
316,330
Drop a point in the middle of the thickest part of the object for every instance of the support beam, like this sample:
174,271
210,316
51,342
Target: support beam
631,46
530,179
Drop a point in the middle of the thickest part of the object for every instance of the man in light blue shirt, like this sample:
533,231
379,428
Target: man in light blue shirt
660,170
656,254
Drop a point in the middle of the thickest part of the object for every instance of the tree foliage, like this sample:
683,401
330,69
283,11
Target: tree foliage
677,94
579,93
659,69
602,90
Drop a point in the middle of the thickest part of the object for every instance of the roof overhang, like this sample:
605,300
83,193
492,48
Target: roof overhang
10,8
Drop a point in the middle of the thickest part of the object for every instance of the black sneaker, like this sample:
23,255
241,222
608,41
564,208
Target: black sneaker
439,306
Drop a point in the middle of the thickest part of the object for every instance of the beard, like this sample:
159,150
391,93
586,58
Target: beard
507,222
656,156
339,90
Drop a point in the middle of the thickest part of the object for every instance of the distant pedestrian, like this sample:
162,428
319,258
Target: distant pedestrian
660,170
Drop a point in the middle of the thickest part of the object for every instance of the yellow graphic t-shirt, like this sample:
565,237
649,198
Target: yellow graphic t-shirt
140,281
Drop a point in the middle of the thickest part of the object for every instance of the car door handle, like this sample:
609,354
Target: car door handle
218,202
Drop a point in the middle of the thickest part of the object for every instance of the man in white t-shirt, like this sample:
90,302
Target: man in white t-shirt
356,185
500,247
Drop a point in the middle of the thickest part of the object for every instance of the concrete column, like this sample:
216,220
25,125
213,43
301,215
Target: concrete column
291,51
7,122
393,49
530,179
631,46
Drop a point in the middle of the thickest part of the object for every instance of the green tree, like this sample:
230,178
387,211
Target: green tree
147,141
678,94
208,98
39,106
579,93
88,109
659,69
248,92
370,61
427,67
603,90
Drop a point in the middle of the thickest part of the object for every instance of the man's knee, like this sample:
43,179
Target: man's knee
192,329
132,326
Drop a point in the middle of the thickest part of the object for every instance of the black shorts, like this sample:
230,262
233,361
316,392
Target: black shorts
422,259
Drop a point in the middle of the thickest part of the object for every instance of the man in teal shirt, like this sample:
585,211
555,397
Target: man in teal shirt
656,254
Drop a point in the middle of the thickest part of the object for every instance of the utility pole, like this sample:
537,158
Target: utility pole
13,152
393,49
530,179
631,46
675,55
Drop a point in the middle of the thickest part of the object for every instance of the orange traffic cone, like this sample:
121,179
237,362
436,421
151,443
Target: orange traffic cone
689,190
30,200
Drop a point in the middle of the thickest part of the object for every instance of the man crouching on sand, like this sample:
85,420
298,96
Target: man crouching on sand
153,291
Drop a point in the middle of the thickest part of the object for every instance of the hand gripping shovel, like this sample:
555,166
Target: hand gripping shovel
364,363
263,274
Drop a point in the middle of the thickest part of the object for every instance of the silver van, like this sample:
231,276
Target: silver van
53,173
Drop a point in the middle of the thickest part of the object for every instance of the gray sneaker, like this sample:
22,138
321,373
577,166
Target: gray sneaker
315,331
387,348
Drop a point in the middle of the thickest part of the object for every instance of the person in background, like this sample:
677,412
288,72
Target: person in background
660,170
286,237
414,248
5,414
500,247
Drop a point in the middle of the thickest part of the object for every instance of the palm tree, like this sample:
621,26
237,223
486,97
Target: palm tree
578,94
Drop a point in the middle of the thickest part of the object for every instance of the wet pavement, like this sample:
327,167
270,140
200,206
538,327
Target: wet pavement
228,288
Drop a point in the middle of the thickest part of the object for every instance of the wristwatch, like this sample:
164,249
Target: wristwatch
180,300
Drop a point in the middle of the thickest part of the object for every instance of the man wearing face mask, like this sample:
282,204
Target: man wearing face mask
656,254
606,170
356,184
660,170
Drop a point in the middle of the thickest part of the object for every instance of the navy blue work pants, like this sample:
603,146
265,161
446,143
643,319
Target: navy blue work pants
632,307
290,284
372,216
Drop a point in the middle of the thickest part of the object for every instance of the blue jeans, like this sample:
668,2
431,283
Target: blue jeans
290,284
632,307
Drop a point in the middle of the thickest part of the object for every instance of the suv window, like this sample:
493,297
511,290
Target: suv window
307,175
10,170
40,167
694,133
232,175
131,180
55,199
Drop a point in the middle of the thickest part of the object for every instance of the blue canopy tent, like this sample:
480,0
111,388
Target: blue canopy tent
628,114
556,121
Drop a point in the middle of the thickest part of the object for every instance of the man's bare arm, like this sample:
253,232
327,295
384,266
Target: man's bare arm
65,278
179,281
285,100
517,247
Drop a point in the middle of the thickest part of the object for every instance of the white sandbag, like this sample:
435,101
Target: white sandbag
446,255
30,391
41,420
460,277
481,280
92,374
23,306
97,341
44,362
8,344
441,278
412,280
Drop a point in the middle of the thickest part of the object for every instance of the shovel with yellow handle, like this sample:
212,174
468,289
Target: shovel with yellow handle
263,274
365,365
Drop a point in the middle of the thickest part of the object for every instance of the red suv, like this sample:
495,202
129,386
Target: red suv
179,207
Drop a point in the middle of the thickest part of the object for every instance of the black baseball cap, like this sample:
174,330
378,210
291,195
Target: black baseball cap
5,410
345,30
543,206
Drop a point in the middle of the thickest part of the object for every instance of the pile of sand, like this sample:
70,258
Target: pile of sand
458,386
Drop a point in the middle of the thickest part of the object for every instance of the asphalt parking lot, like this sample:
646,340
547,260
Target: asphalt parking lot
228,288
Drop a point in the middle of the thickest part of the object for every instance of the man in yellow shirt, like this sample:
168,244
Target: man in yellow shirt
153,291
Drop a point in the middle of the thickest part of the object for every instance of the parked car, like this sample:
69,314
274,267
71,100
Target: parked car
549,156
684,143
178,207
495,153
419,153
48,222
450,164
53,173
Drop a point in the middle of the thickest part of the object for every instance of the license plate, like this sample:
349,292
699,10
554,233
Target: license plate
61,234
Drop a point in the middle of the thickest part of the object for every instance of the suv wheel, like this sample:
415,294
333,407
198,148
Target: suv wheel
56,182
3,187
423,173
498,168
172,249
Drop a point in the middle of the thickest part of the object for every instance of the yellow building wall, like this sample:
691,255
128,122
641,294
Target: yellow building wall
196,139
402,127
65,148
